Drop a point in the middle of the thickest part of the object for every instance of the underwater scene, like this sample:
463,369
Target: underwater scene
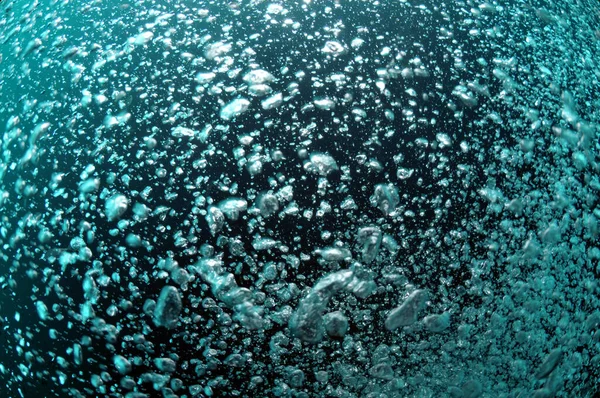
300,198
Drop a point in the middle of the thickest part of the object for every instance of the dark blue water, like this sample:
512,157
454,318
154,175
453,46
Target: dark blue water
432,175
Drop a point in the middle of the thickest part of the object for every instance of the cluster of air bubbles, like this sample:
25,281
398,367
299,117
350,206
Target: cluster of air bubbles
298,199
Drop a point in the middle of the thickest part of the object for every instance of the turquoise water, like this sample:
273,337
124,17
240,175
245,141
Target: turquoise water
299,199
